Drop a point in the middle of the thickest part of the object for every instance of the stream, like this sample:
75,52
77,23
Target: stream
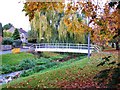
5,78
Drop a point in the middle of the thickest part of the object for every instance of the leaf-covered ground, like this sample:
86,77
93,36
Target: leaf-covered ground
79,74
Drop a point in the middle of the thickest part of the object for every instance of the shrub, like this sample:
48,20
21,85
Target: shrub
32,40
6,69
51,64
39,68
17,43
42,61
27,64
7,41
7,34
18,68
33,70
13,68
27,73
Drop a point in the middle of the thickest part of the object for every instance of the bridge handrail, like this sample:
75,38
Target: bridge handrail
65,45
97,48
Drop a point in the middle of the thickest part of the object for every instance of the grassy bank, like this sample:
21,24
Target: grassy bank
82,73
13,59
49,77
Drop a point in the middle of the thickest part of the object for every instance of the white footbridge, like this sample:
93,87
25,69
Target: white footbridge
64,47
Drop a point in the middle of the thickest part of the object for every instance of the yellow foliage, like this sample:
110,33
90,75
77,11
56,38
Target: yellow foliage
16,50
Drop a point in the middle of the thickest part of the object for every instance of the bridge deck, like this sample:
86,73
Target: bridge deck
62,50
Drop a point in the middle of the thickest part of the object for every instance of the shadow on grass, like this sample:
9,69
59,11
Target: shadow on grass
109,77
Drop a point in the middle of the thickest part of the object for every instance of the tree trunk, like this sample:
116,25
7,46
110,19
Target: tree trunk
117,46
112,45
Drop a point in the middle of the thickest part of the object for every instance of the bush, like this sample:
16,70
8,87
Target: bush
42,61
23,65
13,68
6,69
27,73
32,41
51,64
33,70
7,41
39,68
17,43
27,64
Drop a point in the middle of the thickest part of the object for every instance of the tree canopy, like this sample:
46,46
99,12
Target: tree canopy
7,26
105,24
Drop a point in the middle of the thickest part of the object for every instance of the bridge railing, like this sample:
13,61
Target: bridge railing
62,45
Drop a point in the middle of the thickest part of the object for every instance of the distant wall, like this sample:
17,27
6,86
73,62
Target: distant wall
5,47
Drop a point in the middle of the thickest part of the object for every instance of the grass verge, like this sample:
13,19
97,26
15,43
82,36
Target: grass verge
13,59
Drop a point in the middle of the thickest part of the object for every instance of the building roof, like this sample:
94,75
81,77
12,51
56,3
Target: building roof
22,31
12,29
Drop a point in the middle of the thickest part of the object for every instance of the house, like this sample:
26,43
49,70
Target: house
23,33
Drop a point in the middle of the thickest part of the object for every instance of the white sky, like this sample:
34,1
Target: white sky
11,12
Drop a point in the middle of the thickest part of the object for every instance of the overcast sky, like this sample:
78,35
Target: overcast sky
11,12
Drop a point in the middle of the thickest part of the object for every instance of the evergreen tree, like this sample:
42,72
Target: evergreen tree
16,34
7,26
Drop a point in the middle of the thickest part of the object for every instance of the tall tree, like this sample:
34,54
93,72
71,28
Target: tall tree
116,22
7,34
7,26
16,34
39,23
32,35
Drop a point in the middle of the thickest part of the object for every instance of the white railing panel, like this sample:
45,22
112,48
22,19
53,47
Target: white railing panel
63,46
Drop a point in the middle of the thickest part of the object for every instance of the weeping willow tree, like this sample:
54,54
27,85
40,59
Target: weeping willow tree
69,34
53,18
39,23
46,25
48,34
62,31
79,36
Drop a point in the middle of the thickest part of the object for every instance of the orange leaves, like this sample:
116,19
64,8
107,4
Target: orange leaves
67,22
89,9
31,7
106,26
74,25
71,8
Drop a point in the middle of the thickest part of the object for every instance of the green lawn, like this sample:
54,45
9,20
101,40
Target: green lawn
13,59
